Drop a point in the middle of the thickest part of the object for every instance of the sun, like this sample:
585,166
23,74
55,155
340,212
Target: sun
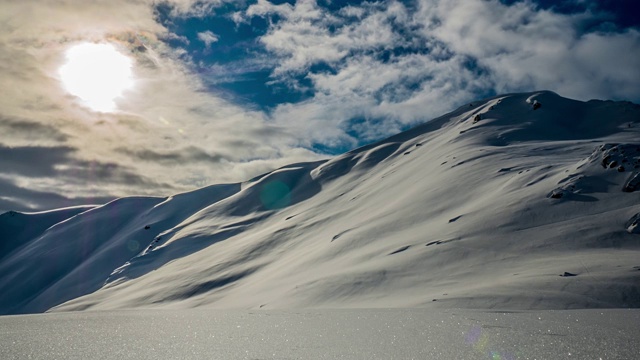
97,74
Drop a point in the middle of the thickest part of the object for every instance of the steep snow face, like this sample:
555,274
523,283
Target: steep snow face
511,202
17,229
75,256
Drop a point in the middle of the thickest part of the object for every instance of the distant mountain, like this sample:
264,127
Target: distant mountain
521,201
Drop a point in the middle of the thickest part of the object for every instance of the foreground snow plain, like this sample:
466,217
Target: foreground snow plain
323,334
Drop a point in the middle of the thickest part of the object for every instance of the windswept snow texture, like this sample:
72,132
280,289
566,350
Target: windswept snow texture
486,207
323,334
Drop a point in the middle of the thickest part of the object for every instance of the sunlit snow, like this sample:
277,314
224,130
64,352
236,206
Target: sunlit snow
499,204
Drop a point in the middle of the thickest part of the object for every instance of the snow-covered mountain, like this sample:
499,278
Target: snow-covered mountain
521,201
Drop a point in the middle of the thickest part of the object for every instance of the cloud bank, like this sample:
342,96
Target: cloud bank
170,134
391,64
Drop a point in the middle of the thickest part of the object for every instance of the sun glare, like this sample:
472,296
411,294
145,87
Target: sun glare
97,74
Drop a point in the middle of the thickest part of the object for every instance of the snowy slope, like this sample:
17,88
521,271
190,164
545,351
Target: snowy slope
499,204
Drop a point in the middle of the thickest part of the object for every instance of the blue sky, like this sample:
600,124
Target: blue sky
242,63
236,45
225,90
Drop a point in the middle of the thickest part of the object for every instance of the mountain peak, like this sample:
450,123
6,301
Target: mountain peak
483,207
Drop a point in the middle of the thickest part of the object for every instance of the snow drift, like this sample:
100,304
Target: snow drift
521,201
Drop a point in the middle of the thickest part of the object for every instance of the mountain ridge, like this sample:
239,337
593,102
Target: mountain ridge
488,206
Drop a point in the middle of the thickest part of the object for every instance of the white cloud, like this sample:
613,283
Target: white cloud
527,48
448,52
208,38
306,36
385,95
193,8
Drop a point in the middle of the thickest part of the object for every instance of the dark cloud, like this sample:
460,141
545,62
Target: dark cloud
48,166
187,154
29,130
14,197
241,143
90,173
33,161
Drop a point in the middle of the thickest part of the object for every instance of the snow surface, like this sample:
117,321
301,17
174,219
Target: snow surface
323,334
495,205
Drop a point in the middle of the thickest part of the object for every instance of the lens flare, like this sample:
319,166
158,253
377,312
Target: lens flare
481,343
275,195
133,245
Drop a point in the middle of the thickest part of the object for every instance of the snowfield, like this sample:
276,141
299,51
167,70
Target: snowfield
322,334
500,204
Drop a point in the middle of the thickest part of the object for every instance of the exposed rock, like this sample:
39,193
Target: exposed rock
633,183
556,194
633,225
455,219
404,248
568,274
617,156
